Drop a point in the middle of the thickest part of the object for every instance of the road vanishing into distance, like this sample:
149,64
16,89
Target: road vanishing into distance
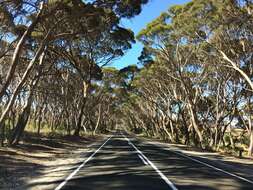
124,162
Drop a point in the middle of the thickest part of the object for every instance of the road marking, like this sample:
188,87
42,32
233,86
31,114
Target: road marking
211,166
77,169
172,186
143,160
178,152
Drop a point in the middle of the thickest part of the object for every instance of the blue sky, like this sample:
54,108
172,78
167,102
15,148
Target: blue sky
150,11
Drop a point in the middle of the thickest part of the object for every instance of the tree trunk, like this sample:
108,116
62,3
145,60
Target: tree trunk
185,129
39,126
79,120
234,65
24,116
22,121
39,120
3,135
232,143
98,120
39,53
216,136
86,88
68,126
17,51
194,123
167,132
84,125
250,151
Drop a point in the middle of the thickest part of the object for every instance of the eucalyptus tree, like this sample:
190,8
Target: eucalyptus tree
180,62
225,27
99,46
87,55
191,57
85,36
10,11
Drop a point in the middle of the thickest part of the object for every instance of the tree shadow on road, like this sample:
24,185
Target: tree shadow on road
31,158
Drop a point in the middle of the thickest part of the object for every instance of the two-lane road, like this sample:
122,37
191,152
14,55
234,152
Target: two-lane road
125,163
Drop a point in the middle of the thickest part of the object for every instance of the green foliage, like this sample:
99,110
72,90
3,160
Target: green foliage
186,91
59,50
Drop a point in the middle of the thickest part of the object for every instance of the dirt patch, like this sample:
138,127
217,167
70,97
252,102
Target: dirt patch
29,160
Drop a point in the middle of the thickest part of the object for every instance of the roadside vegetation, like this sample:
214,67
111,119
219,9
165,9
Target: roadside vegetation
193,84
52,55
196,86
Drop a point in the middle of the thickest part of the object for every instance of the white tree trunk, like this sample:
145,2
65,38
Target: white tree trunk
250,151
98,120
234,65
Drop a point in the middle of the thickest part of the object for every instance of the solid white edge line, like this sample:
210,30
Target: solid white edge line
84,162
211,166
178,152
142,159
172,186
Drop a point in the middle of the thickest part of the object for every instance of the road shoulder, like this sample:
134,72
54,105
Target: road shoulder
241,167
36,163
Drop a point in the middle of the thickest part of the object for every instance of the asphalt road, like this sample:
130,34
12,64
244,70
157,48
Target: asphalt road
125,163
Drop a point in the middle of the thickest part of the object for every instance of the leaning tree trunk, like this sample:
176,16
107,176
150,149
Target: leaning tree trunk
195,124
16,54
22,122
250,151
29,68
79,119
39,120
169,134
235,67
86,86
24,116
98,120
185,128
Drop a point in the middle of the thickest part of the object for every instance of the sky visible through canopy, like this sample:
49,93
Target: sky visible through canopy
150,11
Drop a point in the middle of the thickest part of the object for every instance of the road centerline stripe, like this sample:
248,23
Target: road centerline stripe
171,185
143,160
79,167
